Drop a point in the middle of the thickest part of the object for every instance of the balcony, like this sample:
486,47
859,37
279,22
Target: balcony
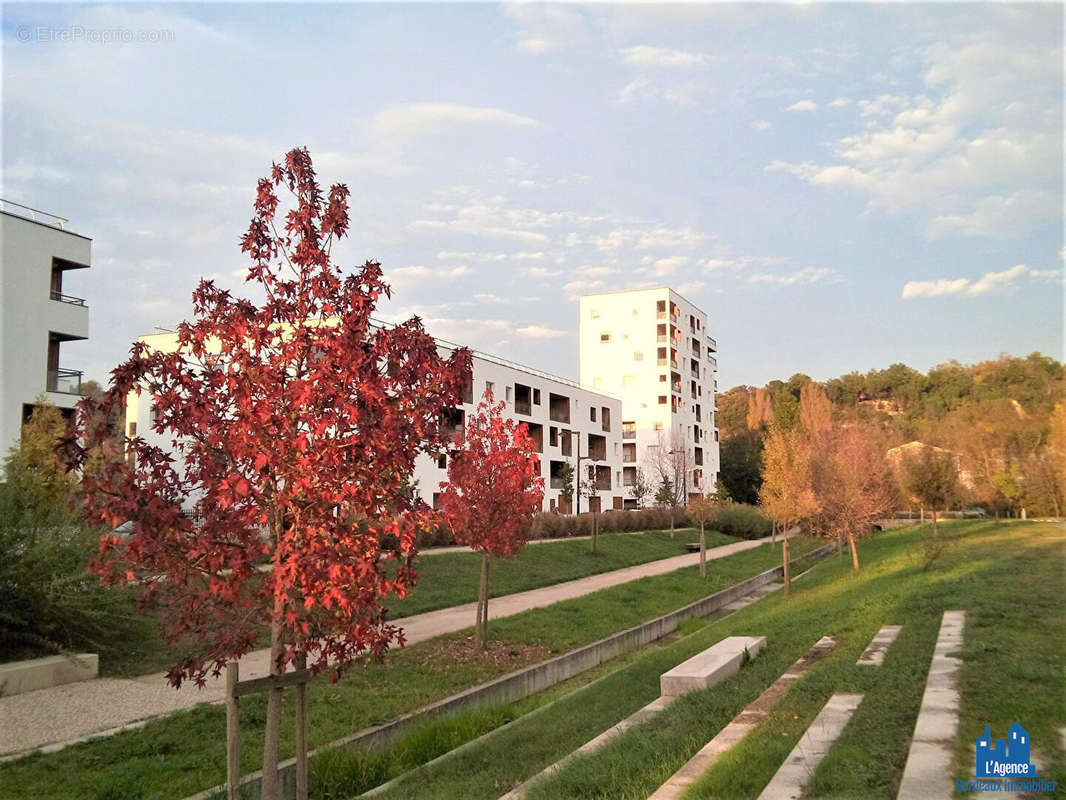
629,453
713,362
64,381
558,408
603,478
712,345
66,298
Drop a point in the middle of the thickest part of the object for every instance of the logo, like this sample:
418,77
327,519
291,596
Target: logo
1004,765
1000,760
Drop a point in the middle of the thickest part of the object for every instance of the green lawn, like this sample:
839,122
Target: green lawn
451,579
1007,577
179,755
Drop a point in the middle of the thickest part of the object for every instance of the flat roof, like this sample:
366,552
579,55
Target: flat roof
50,226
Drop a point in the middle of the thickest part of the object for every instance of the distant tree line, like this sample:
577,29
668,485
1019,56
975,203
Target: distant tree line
1005,420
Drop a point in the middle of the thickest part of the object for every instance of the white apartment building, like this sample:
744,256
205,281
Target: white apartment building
564,420
36,315
652,348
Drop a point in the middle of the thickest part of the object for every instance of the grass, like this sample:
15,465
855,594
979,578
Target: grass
178,755
451,579
1007,576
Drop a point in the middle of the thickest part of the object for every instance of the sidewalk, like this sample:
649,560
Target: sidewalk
62,715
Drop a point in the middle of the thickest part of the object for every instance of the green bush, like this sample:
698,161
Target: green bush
742,521
49,602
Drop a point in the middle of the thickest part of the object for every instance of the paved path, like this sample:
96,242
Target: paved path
53,718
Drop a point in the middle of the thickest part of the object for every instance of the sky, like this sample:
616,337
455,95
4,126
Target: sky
840,187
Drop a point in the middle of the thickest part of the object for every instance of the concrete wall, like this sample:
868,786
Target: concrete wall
530,680
18,677
28,314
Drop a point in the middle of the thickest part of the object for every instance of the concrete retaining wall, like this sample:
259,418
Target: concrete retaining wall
527,681
41,673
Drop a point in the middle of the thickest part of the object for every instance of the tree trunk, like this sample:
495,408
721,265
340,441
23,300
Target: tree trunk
784,562
703,553
595,530
936,532
854,552
272,736
773,535
671,522
483,603
301,731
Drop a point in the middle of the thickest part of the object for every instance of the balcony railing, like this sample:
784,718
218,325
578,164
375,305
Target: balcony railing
66,298
558,483
34,214
603,484
523,408
712,344
713,362
64,381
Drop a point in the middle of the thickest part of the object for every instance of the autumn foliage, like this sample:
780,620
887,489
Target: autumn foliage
283,433
493,490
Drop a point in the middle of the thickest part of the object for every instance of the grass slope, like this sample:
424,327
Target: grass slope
1008,578
451,579
184,753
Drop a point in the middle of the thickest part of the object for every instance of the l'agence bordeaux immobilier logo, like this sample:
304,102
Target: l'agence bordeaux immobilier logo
1005,768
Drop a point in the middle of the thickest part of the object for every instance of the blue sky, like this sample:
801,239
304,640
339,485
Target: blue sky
840,187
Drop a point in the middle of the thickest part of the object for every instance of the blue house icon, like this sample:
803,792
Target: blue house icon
1006,757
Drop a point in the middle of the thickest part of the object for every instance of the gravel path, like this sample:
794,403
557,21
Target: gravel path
62,715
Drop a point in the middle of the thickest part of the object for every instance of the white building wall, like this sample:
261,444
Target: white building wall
34,320
507,379
629,341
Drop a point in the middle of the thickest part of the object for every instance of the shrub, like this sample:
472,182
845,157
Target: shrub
48,600
742,521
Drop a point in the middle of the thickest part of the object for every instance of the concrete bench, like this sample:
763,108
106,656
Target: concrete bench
714,664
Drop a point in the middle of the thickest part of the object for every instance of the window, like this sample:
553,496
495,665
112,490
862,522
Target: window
153,415
629,430
442,461
536,397
661,356
636,312
436,501
662,377
605,337
627,381
662,399
660,305
133,429
490,387
553,436
592,414
510,394
597,383
594,313
638,356
658,426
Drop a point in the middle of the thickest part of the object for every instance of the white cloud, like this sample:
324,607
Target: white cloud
979,151
539,332
690,287
470,255
664,57
727,263
658,237
989,283
575,289
803,105
668,266
800,277
682,93
541,272
544,27
414,276
1053,275
760,124
430,117
839,102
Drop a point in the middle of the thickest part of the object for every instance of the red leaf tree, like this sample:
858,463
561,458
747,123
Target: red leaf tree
493,490
293,429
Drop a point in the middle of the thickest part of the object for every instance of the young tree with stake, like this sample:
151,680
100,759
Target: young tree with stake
787,494
702,509
294,428
493,490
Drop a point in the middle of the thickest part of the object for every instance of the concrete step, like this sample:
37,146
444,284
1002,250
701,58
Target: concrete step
742,724
874,654
792,778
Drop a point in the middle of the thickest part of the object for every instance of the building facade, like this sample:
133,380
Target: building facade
564,420
37,315
652,348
